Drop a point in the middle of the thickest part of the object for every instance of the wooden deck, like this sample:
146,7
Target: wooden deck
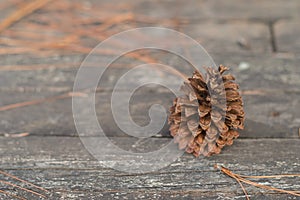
41,53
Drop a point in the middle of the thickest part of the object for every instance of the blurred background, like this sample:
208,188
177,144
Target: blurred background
43,42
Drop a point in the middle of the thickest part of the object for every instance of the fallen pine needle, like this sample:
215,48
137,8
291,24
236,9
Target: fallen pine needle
16,135
272,176
22,12
39,101
21,188
243,188
18,179
12,195
241,178
37,67
232,175
115,20
295,193
253,92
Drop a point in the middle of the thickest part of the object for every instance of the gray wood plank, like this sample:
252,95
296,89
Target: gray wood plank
56,118
270,88
262,71
62,165
203,10
287,36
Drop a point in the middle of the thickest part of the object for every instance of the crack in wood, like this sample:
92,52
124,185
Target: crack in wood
272,37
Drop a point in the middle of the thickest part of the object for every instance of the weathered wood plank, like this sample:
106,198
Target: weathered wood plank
57,152
270,85
261,71
62,165
153,194
56,118
203,10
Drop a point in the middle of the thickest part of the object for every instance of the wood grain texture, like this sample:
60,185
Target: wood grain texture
68,170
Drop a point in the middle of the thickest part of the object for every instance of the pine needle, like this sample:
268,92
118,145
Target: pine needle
241,178
12,195
16,135
22,12
39,101
272,176
28,183
254,92
243,188
36,67
21,188
115,20
232,175
295,193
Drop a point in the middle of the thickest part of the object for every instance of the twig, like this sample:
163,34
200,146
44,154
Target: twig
28,183
22,12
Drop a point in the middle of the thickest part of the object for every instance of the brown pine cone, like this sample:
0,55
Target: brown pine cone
208,115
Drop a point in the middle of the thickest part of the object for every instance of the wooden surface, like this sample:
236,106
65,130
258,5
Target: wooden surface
259,40
69,170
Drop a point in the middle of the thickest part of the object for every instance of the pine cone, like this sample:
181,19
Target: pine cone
208,115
